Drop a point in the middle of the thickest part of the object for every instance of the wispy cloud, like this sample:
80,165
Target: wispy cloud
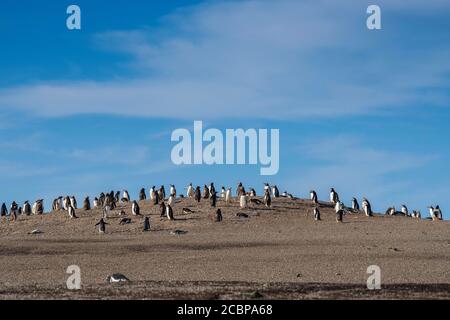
267,59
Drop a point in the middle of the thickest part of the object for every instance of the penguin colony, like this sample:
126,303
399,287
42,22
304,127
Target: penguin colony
109,202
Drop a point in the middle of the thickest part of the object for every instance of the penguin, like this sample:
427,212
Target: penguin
152,193
240,190
213,199
26,208
390,211
439,212
73,202
252,192
334,197
96,203
171,200
162,193
243,201
55,204
197,194
105,212
125,221
228,196
266,187
117,197
135,209
367,207
173,191
146,224
205,192
187,211
316,214
101,226
256,201
169,212
416,214
275,192
355,204
3,211
101,199
142,196
38,207
162,206
223,192
117,277
433,214
66,203
13,211
267,200
218,215
313,196
87,204
405,210
155,197
339,209
72,213
190,191
212,189
126,196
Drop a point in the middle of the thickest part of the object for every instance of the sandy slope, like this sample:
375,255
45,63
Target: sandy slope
279,252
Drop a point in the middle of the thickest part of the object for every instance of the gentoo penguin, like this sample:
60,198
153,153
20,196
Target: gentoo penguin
3,211
213,199
416,214
266,187
152,193
173,191
240,190
339,208
187,211
126,196
169,212
101,199
313,196
87,204
142,195
101,226
162,193
136,211
66,203
228,196
73,202
162,206
267,200
218,215
223,192
438,212
96,203
256,201
26,208
146,224
435,213
72,213
190,191
316,214
198,194
155,197
390,211
39,207
55,204
243,201
212,189
405,210
252,192
13,211
334,197
125,221
171,200
367,207
275,192
117,277
205,192
355,204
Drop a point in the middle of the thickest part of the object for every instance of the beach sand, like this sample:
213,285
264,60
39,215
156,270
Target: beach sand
276,253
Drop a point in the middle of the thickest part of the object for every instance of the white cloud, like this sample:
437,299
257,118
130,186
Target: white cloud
267,59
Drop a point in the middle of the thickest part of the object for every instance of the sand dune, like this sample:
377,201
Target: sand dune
274,253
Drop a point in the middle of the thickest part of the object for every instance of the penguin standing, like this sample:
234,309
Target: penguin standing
162,193
13,211
240,190
87,204
390,211
169,212
3,211
171,200
190,191
355,204
146,224
313,196
173,191
26,208
266,187
243,201
316,214
334,197
223,192
218,215
135,210
438,212
66,203
228,196
275,192
367,207
405,210
142,196
213,199
339,209
152,193
39,207
252,192
96,203
73,202
155,197
205,192
72,213
101,226
162,206
126,196
267,200
212,189
198,194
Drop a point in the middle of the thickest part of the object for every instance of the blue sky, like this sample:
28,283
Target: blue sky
92,110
